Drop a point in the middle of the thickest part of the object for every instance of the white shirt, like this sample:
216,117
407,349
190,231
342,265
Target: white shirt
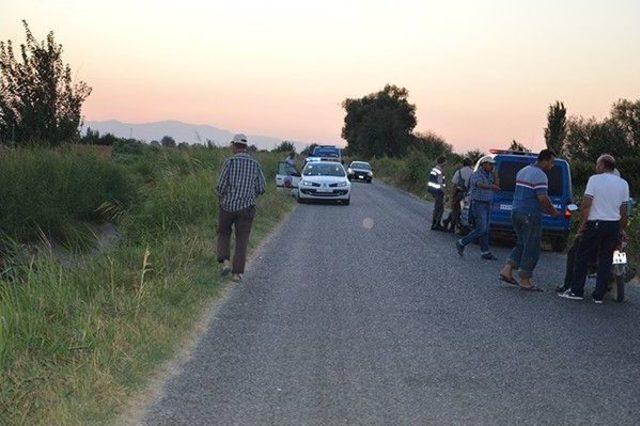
608,192
461,176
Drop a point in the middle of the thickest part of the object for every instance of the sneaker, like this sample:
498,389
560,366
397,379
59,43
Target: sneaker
226,268
460,248
570,295
489,256
236,278
598,301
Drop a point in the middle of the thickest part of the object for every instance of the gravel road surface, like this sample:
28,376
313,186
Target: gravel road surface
360,315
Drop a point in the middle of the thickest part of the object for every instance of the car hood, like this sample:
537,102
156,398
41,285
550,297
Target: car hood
325,179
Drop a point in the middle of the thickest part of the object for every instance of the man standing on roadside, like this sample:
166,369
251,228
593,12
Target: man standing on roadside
436,187
460,183
241,182
482,186
529,202
603,220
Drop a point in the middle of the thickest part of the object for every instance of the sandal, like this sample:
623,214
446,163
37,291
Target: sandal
531,288
510,281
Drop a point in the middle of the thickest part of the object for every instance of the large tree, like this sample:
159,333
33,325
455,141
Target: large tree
626,114
556,130
39,101
380,124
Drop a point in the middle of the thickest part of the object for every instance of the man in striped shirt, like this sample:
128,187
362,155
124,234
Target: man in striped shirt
529,202
241,182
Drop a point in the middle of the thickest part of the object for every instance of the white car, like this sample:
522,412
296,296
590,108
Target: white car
324,180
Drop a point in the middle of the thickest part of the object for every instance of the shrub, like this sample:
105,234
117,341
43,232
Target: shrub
49,190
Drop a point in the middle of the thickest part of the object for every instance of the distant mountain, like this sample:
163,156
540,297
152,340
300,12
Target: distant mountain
181,132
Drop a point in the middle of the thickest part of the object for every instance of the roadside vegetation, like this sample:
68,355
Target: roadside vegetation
78,339
87,314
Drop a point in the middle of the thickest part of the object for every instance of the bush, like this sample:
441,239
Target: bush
50,190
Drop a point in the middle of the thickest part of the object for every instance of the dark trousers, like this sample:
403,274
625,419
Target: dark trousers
570,269
454,216
598,240
438,208
241,221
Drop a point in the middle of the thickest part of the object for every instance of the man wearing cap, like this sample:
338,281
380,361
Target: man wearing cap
604,219
530,200
482,185
240,183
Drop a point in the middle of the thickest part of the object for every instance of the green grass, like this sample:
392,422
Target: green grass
77,343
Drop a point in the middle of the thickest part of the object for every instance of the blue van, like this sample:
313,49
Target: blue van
508,163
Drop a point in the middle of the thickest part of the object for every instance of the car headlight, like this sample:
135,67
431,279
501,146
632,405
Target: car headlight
370,173
306,183
341,184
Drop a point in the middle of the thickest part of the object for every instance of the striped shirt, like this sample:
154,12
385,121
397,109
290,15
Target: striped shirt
531,182
241,181
481,194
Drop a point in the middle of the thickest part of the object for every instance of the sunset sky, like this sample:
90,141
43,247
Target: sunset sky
481,72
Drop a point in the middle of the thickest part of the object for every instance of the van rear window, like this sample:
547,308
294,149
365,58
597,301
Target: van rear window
508,170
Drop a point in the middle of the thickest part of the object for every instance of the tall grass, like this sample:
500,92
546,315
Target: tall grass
75,343
51,191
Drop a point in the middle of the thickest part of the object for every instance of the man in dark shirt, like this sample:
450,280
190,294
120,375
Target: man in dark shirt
241,182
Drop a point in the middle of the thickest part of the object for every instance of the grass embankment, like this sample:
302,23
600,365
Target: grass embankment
77,342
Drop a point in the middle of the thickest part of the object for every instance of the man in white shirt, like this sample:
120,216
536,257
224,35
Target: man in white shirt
604,219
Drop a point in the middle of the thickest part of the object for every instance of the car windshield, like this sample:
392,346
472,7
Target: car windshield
324,169
507,171
326,152
360,165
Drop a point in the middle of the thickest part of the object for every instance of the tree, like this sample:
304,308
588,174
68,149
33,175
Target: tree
556,130
380,124
517,146
285,146
39,101
587,139
155,144
626,114
168,142
430,144
474,155
183,145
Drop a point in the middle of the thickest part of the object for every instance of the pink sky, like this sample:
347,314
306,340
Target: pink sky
480,72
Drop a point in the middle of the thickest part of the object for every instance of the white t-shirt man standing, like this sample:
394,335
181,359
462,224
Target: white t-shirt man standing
604,218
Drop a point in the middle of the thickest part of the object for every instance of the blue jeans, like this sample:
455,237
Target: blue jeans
481,213
526,253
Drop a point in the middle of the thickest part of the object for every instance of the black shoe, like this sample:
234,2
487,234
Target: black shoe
489,256
460,248
562,288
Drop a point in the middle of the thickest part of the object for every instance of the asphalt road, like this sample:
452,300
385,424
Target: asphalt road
360,315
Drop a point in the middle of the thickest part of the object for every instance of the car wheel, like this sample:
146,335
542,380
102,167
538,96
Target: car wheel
347,202
301,200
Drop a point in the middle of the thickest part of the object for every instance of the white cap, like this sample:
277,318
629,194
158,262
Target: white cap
240,139
489,160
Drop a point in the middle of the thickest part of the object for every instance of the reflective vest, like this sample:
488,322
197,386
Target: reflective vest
436,180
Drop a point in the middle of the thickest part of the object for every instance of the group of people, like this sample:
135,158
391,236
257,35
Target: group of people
604,216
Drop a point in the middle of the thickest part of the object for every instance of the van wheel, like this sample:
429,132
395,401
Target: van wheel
559,244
